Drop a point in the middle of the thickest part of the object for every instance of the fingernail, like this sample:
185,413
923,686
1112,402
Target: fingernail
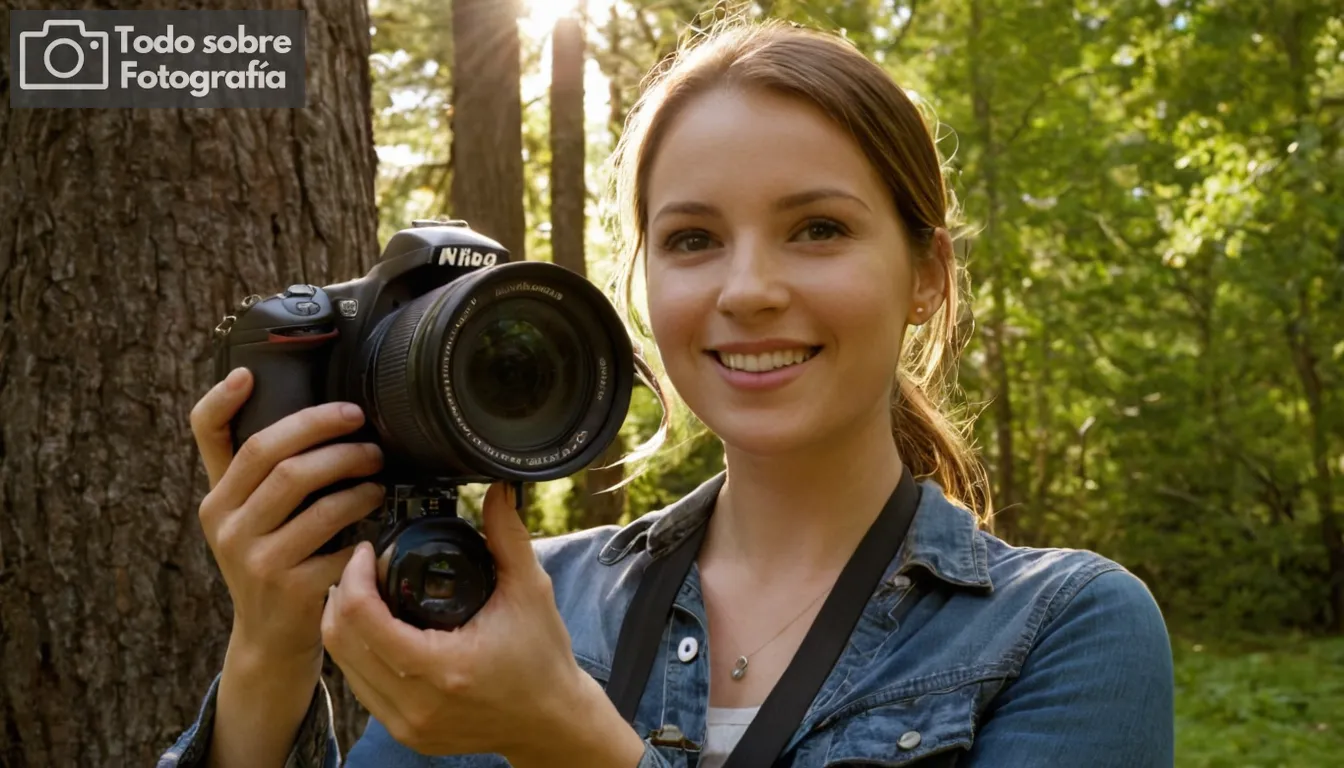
351,412
234,381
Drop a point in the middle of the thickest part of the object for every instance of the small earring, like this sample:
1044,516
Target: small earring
919,310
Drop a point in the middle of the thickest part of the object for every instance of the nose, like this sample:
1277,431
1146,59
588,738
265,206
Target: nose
751,283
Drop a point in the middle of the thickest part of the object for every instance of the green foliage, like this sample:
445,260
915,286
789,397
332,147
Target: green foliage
1263,703
410,69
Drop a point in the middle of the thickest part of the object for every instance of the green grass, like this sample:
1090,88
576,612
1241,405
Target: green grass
1266,702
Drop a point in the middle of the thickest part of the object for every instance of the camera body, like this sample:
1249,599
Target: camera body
469,368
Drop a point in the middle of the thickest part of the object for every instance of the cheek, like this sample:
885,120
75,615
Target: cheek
860,304
673,309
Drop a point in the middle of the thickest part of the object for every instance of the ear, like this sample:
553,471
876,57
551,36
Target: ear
932,278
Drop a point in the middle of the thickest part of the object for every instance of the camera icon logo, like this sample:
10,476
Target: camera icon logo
64,56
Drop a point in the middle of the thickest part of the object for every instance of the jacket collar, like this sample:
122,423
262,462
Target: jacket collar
943,538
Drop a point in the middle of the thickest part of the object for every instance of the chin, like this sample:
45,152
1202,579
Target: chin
764,431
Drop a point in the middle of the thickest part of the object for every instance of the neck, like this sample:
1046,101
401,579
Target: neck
804,513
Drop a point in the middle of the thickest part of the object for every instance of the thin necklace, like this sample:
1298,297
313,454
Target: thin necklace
740,668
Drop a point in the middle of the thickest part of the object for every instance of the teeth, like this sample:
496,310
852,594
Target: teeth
765,362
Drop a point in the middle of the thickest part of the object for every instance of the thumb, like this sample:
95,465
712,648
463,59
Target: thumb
505,534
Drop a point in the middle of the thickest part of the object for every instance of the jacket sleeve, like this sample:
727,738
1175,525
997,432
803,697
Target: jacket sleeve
314,747
1097,690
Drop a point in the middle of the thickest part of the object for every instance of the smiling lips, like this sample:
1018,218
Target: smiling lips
765,361
762,365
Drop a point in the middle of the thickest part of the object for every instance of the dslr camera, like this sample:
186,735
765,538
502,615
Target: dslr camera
469,369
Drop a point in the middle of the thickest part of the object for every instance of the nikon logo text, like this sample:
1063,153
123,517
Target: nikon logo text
465,257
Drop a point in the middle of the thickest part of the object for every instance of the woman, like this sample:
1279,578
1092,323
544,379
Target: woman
786,205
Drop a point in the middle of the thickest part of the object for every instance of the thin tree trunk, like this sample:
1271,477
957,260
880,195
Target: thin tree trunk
568,195
615,77
1006,519
568,189
487,127
124,237
1303,346
1322,482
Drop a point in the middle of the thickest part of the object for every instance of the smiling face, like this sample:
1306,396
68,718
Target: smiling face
779,275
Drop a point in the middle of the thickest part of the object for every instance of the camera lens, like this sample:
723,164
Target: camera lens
519,372
521,375
440,574
440,581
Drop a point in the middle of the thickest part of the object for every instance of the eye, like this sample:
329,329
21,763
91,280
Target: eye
689,241
821,229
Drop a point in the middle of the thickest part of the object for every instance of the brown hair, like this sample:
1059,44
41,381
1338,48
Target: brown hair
831,73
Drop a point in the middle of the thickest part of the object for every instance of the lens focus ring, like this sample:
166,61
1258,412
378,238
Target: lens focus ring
393,383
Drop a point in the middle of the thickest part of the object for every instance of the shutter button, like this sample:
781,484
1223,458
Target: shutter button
687,650
909,740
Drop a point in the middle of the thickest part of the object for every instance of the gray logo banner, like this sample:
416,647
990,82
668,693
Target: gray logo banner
122,59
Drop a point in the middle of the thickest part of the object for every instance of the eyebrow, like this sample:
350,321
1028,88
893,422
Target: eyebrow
813,195
796,200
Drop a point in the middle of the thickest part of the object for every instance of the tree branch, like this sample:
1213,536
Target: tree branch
906,27
1043,93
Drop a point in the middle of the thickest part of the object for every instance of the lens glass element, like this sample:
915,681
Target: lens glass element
440,581
521,374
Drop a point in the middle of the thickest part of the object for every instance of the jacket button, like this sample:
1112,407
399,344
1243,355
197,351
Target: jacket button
909,740
900,582
687,650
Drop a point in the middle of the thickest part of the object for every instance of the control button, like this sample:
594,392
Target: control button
307,308
300,290
909,740
687,650
348,307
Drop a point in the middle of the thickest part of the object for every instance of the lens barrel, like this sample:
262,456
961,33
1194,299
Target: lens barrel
518,372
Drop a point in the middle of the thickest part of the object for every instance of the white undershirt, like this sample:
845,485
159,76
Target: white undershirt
726,726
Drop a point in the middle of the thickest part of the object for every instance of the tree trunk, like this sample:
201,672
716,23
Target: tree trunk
615,77
568,196
487,187
124,237
1006,496
1332,537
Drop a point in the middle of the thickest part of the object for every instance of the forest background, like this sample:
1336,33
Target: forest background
1154,194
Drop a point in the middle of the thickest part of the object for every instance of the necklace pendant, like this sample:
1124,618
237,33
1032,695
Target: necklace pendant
740,668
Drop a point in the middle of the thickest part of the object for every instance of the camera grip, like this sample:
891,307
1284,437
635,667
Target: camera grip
285,381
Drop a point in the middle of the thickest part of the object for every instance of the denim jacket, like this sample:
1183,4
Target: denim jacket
1018,657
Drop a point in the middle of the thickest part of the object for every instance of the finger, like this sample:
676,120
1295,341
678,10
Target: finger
371,680
322,572
363,614
295,478
290,436
210,419
298,539
378,704
505,534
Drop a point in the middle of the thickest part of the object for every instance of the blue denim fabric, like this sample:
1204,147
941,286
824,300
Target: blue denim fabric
1017,657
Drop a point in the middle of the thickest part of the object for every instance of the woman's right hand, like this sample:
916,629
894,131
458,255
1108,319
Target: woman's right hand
277,584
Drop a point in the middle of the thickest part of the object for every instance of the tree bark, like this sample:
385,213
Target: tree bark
568,223
124,236
1007,495
487,127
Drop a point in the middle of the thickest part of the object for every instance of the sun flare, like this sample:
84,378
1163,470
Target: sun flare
541,15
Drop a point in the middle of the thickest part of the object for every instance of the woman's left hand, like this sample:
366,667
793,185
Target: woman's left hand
506,682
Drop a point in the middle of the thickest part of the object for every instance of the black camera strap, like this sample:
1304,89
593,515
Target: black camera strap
787,704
